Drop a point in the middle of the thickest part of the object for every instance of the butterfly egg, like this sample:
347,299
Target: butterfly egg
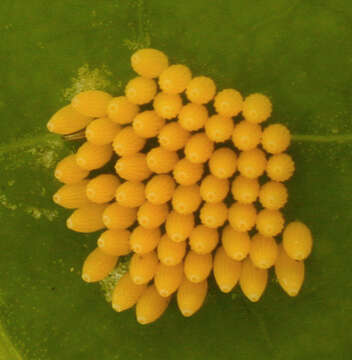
168,279
213,189
149,63
179,226
67,171
242,217
91,103
186,199
245,190
167,105
87,218
170,252
147,124
203,240
98,265
72,196
127,142
200,90
151,216
246,136
67,121
115,242
130,194
276,138
121,111
193,117
143,267
126,293
199,148
144,240
161,161
270,222
173,136
273,195
151,306
235,243
140,90
280,167
219,128
102,188
119,217
197,267
213,215
160,189
191,296
133,167
226,270
175,79
223,163
263,252
252,163
102,131
289,272
228,102
297,240
187,173
90,156
256,108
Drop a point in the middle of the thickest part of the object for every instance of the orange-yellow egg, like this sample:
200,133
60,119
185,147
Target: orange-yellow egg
213,189
116,216
92,103
121,110
200,90
102,188
228,102
280,167
149,63
115,242
223,163
67,171
186,199
199,148
273,195
175,79
173,136
246,135
161,161
213,215
203,240
193,117
72,196
263,252
197,267
256,108
147,124
168,279
235,243
179,226
160,189
143,267
127,142
219,128
144,240
102,131
187,173
140,90
171,252
87,219
242,217
276,138
90,156
151,216
130,194
133,167
166,105
270,222
252,163
245,190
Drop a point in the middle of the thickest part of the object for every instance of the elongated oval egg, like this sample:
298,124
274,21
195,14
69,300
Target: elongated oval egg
72,196
87,219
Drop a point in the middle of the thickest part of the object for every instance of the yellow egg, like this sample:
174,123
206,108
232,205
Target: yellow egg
72,196
242,217
173,136
102,131
127,142
297,240
273,195
187,173
276,138
150,306
213,189
252,163
197,267
151,216
203,240
228,102
235,243
140,90
191,296
90,156
149,63
213,215
179,226
270,222
280,167
186,199
144,240
67,121
102,188
143,267
147,124
256,108
226,270
133,167
263,252
171,252
167,105
161,161
200,90
175,79
115,242
130,194
126,293
119,217
167,279
92,103
193,117
121,110
98,265
67,171
87,219
199,148
245,190
160,189
246,136
223,163
219,128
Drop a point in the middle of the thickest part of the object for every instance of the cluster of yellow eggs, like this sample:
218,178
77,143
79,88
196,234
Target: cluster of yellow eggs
189,205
